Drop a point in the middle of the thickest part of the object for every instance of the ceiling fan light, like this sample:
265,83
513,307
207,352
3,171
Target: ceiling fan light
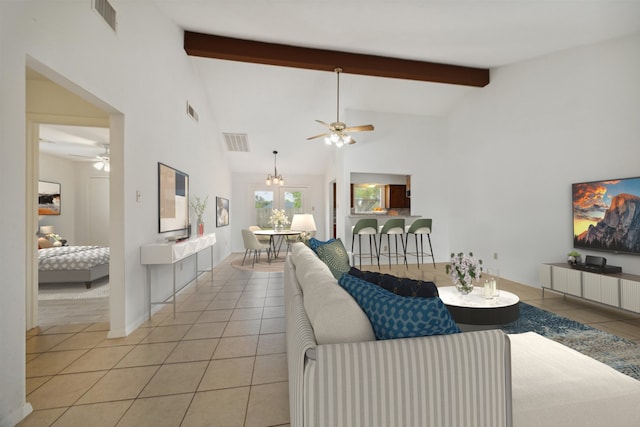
276,181
335,138
281,182
347,139
268,181
327,141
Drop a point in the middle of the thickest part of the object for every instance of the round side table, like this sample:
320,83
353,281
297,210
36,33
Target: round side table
478,311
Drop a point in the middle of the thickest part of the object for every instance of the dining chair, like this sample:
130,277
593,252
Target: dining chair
251,243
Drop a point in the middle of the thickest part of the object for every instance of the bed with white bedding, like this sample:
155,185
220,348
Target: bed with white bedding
73,264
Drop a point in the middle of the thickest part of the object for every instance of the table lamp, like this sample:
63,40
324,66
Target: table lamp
303,223
46,230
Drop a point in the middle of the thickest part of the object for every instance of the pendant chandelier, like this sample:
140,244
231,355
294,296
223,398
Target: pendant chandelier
274,179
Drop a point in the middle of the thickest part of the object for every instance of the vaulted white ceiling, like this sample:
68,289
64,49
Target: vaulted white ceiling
277,106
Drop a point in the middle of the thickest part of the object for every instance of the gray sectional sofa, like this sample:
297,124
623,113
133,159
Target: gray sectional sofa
340,375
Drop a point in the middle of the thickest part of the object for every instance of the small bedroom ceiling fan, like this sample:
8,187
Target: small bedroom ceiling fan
69,149
337,134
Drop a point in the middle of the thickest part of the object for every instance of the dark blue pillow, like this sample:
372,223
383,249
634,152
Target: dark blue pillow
398,285
395,316
315,243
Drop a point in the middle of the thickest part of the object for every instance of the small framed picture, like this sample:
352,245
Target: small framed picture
48,198
222,212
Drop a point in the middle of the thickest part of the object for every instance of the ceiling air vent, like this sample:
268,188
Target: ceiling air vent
191,112
237,141
108,13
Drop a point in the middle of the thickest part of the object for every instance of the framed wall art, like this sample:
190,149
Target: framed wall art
173,199
222,212
48,198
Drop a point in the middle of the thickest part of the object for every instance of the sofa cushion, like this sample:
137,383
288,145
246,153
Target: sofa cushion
335,256
395,316
403,286
314,243
334,315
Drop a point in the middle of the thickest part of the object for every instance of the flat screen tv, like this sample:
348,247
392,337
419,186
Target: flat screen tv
173,199
606,215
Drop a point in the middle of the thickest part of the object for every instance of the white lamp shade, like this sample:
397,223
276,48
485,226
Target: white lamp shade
46,229
303,222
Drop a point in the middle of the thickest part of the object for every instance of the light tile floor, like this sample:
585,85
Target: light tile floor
220,362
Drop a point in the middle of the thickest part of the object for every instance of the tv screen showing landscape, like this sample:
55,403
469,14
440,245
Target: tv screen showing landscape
606,215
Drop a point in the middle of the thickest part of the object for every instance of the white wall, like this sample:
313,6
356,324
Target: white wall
404,145
519,144
142,77
61,171
73,223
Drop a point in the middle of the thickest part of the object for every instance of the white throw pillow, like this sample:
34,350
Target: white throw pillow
334,315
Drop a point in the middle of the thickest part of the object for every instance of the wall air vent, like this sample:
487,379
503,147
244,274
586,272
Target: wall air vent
108,13
191,112
237,141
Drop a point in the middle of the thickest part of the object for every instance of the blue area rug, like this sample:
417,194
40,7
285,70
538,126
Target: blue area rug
619,353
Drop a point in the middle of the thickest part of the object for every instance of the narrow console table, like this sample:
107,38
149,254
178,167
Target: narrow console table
171,253
619,290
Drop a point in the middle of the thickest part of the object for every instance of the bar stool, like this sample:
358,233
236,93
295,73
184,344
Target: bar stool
366,226
393,227
420,227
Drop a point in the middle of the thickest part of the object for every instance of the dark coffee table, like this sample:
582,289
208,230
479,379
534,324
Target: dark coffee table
478,311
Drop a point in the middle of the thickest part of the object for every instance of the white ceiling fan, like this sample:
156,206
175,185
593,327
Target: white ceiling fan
80,151
337,134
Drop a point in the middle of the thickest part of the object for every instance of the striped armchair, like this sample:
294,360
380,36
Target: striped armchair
453,380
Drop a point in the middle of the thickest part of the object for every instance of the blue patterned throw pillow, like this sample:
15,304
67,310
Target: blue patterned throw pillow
395,316
315,243
335,256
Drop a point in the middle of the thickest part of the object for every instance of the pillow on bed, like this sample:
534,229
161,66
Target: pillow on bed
43,243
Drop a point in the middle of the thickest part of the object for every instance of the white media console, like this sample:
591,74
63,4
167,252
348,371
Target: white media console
618,290
171,253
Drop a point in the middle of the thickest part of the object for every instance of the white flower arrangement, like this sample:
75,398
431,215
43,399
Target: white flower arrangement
463,270
278,218
199,205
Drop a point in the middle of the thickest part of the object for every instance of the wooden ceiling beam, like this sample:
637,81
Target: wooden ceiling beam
219,47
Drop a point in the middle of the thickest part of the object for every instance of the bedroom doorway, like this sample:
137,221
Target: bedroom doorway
66,142
73,157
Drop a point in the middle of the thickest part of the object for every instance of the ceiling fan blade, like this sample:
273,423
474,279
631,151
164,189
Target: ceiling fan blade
83,157
362,128
325,124
317,136
351,142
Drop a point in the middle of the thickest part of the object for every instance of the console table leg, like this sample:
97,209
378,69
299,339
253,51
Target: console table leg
149,288
174,290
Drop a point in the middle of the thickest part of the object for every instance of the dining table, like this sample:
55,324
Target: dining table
276,238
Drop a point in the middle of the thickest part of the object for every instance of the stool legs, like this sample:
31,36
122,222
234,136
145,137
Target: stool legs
420,249
371,247
404,249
